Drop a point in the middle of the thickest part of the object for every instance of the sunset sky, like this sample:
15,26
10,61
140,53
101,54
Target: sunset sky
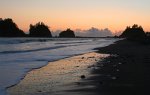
78,14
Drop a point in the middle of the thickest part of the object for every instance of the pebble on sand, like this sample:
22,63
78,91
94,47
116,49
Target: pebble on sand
114,78
83,76
119,63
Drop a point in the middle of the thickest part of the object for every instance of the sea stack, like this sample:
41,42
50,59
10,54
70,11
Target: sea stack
39,30
67,34
10,29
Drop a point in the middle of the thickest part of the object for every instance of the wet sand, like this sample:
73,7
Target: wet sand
63,77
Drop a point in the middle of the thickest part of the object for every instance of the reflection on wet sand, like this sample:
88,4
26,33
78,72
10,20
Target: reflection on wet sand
59,77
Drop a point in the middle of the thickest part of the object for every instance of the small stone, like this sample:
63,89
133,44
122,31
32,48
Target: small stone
89,66
119,63
83,76
39,91
114,78
96,68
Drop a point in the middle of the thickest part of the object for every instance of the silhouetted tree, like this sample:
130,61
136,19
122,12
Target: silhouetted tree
135,32
9,29
39,30
67,34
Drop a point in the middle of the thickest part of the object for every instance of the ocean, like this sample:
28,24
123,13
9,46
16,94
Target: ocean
20,55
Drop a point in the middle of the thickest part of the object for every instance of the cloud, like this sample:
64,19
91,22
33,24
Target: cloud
56,33
93,32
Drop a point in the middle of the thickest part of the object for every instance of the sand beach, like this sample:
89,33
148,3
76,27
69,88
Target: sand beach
119,69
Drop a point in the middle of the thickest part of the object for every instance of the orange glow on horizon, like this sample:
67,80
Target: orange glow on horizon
25,27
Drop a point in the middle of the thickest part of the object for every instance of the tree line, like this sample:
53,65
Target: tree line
10,29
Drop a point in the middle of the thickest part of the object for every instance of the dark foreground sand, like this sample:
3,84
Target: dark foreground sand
126,71
129,70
